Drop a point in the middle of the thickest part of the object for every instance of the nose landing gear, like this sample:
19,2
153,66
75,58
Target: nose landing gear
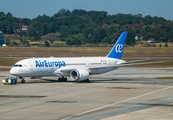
23,79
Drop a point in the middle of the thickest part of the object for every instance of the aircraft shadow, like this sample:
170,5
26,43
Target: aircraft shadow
80,82
131,81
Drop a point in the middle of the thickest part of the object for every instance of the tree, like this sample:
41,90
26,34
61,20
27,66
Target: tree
8,42
52,37
32,39
166,44
25,43
96,26
2,14
9,14
47,44
21,41
36,29
130,37
160,45
74,39
14,43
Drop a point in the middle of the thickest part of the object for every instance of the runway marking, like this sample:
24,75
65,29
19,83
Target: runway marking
120,88
99,108
60,101
20,96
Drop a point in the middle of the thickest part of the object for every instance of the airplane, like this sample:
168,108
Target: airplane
77,68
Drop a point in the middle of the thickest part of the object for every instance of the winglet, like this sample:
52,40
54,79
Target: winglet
117,50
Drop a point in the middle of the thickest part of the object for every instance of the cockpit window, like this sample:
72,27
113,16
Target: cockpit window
17,65
20,65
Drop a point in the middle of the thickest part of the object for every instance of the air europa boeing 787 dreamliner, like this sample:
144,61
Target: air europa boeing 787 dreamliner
78,68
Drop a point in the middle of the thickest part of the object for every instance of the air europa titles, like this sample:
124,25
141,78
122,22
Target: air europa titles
46,63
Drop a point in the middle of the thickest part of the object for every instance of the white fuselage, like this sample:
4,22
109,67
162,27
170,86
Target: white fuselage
39,67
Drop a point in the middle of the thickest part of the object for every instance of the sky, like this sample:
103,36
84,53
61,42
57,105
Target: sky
32,8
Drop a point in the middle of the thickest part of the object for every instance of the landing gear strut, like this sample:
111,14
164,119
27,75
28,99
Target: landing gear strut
23,79
62,79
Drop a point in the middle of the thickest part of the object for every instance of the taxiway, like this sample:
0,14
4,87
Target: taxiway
130,93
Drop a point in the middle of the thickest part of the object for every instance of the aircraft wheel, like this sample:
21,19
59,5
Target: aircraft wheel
23,81
59,79
62,79
65,79
87,80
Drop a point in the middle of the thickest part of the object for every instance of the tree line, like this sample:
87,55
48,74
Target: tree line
81,27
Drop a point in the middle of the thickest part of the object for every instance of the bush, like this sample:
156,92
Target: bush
14,43
47,44
166,44
8,42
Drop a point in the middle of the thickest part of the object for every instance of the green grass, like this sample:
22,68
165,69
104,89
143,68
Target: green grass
164,77
2,76
84,52
8,61
5,69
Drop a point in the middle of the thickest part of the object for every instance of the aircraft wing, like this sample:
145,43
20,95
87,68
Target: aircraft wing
111,66
125,64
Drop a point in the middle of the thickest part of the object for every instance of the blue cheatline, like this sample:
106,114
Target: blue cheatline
117,50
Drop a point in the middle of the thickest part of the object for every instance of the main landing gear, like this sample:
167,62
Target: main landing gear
62,79
87,80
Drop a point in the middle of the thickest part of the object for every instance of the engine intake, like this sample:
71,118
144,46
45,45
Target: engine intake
79,74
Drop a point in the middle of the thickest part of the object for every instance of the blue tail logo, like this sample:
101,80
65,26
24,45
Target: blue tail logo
117,50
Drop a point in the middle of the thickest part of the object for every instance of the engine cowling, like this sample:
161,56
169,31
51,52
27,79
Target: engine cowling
79,74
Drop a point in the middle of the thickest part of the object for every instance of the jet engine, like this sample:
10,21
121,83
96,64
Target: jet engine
79,74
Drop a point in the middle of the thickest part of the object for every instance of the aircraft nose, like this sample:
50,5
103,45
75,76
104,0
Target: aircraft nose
12,71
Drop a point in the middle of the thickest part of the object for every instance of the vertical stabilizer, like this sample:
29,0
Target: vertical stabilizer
117,50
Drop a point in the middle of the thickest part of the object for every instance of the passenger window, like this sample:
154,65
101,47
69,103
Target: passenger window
20,65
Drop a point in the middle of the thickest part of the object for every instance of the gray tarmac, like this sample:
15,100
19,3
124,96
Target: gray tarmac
128,93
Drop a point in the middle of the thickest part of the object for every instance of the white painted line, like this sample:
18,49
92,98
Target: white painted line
89,111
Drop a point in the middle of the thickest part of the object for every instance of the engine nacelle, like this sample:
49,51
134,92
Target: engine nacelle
79,74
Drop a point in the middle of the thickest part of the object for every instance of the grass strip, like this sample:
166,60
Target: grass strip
164,77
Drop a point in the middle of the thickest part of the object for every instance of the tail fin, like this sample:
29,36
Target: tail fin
117,50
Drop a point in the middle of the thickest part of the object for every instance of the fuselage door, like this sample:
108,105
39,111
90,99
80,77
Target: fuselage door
31,66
